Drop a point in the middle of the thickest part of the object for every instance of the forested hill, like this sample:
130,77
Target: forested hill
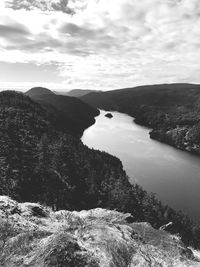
71,113
78,92
171,110
39,91
39,162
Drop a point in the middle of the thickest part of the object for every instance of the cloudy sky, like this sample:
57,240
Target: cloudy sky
98,44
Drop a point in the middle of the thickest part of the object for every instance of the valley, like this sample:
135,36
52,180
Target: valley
172,111
172,174
43,161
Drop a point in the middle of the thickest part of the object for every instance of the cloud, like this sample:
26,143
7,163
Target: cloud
62,6
45,5
77,31
10,30
105,43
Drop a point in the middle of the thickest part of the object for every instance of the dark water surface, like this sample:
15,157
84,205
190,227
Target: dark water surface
172,174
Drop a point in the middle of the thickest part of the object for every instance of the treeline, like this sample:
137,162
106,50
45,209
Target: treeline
71,113
39,162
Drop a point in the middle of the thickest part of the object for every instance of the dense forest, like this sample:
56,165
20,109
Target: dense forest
171,110
40,161
71,113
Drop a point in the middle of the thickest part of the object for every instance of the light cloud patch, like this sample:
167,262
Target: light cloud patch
10,30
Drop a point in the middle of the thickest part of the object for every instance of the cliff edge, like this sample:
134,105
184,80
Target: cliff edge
34,235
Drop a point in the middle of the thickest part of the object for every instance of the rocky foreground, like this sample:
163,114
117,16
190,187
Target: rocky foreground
34,235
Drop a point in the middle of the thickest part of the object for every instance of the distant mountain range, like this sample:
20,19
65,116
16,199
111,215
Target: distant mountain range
76,92
171,110
71,112
79,92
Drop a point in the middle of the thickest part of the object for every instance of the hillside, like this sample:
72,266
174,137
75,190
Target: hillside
34,235
38,91
171,110
79,92
76,92
71,112
39,162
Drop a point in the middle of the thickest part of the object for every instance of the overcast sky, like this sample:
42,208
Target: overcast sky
98,44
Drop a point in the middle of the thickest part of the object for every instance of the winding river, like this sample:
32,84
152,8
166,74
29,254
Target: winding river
172,174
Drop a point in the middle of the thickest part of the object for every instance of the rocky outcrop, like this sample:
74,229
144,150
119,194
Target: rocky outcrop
34,235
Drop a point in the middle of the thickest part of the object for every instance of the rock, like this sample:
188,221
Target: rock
15,210
33,209
109,115
62,249
130,219
6,203
166,226
39,212
40,237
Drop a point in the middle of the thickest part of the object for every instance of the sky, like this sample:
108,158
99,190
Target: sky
98,44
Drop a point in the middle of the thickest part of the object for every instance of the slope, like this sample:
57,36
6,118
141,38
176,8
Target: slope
71,112
38,91
79,92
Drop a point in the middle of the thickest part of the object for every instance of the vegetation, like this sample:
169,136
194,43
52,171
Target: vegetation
93,238
70,112
173,111
41,162
78,92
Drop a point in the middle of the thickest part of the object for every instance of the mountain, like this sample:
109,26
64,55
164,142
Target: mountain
38,91
76,92
35,235
71,113
79,92
41,162
171,110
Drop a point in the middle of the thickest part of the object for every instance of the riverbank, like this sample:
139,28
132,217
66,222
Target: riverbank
170,173
177,137
171,110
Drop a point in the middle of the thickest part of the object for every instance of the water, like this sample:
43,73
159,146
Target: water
172,174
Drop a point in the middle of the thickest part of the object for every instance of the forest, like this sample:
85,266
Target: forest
70,112
42,162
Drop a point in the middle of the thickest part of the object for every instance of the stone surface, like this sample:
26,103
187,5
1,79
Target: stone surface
38,237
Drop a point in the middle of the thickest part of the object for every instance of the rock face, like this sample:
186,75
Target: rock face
109,115
33,235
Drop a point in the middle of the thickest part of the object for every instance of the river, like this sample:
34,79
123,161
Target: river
172,174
